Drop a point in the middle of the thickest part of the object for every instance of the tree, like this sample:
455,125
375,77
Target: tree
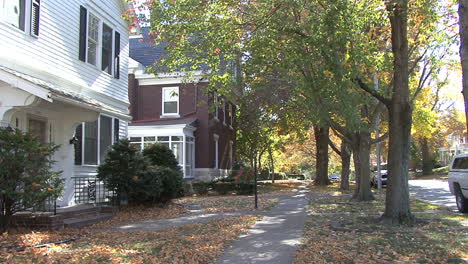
26,175
463,27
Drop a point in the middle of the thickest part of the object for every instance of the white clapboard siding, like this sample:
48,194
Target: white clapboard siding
54,54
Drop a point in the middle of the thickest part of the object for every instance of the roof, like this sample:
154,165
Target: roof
183,121
143,50
60,93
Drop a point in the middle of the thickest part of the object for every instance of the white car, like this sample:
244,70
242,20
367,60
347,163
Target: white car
458,181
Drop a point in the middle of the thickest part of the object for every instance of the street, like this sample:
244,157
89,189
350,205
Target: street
434,191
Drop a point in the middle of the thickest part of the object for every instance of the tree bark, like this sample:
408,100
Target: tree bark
427,160
345,164
463,27
321,138
272,165
397,206
361,154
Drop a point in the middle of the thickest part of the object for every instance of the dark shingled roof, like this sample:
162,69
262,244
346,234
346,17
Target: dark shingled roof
146,52
143,49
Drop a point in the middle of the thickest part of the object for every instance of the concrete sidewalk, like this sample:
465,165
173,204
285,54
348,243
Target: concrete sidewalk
275,238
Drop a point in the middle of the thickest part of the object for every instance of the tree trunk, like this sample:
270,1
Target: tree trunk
321,140
5,215
397,204
427,161
345,163
463,27
272,165
361,154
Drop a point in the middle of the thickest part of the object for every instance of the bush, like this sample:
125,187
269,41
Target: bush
264,175
146,187
223,188
245,188
171,183
126,172
169,170
160,155
201,188
26,175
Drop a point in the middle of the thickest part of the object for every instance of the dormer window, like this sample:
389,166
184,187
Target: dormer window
170,100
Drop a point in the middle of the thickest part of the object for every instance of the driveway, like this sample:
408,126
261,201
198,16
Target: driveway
433,191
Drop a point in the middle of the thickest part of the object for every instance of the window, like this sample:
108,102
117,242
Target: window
20,13
216,151
13,12
231,115
93,39
170,100
216,102
174,143
460,163
231,154
94,139
38,129
99,44
106,64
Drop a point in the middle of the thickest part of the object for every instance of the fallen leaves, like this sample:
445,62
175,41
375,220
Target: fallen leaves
232,203
196,243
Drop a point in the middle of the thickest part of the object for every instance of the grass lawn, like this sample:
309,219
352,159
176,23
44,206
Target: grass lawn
350,236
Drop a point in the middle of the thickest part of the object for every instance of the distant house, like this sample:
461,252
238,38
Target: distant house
63,78
180,115
456,144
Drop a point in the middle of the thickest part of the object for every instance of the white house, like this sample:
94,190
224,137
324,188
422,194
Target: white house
63,77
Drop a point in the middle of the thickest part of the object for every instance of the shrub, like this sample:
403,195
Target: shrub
123,171
171,183
245,188
223,188
146,187
201,188
26,175
169,170
160,155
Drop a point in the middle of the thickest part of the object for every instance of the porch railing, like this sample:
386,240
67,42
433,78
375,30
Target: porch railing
90,190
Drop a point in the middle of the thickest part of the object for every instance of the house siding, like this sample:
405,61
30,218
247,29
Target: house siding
53,55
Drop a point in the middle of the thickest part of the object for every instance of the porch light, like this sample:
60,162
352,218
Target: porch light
73,140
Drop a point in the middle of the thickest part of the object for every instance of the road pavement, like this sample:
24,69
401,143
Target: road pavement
433,191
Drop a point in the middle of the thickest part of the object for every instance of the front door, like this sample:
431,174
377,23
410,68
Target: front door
38,129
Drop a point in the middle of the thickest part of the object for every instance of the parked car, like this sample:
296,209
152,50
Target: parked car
334,176
383,175
458,181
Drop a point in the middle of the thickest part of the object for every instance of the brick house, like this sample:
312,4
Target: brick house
181,115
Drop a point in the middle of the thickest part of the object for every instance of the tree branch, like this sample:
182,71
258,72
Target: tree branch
332,145
370,91
380,139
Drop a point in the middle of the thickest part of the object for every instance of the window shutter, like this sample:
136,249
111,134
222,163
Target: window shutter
35,11
83,23
117,55
116,130
78,145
